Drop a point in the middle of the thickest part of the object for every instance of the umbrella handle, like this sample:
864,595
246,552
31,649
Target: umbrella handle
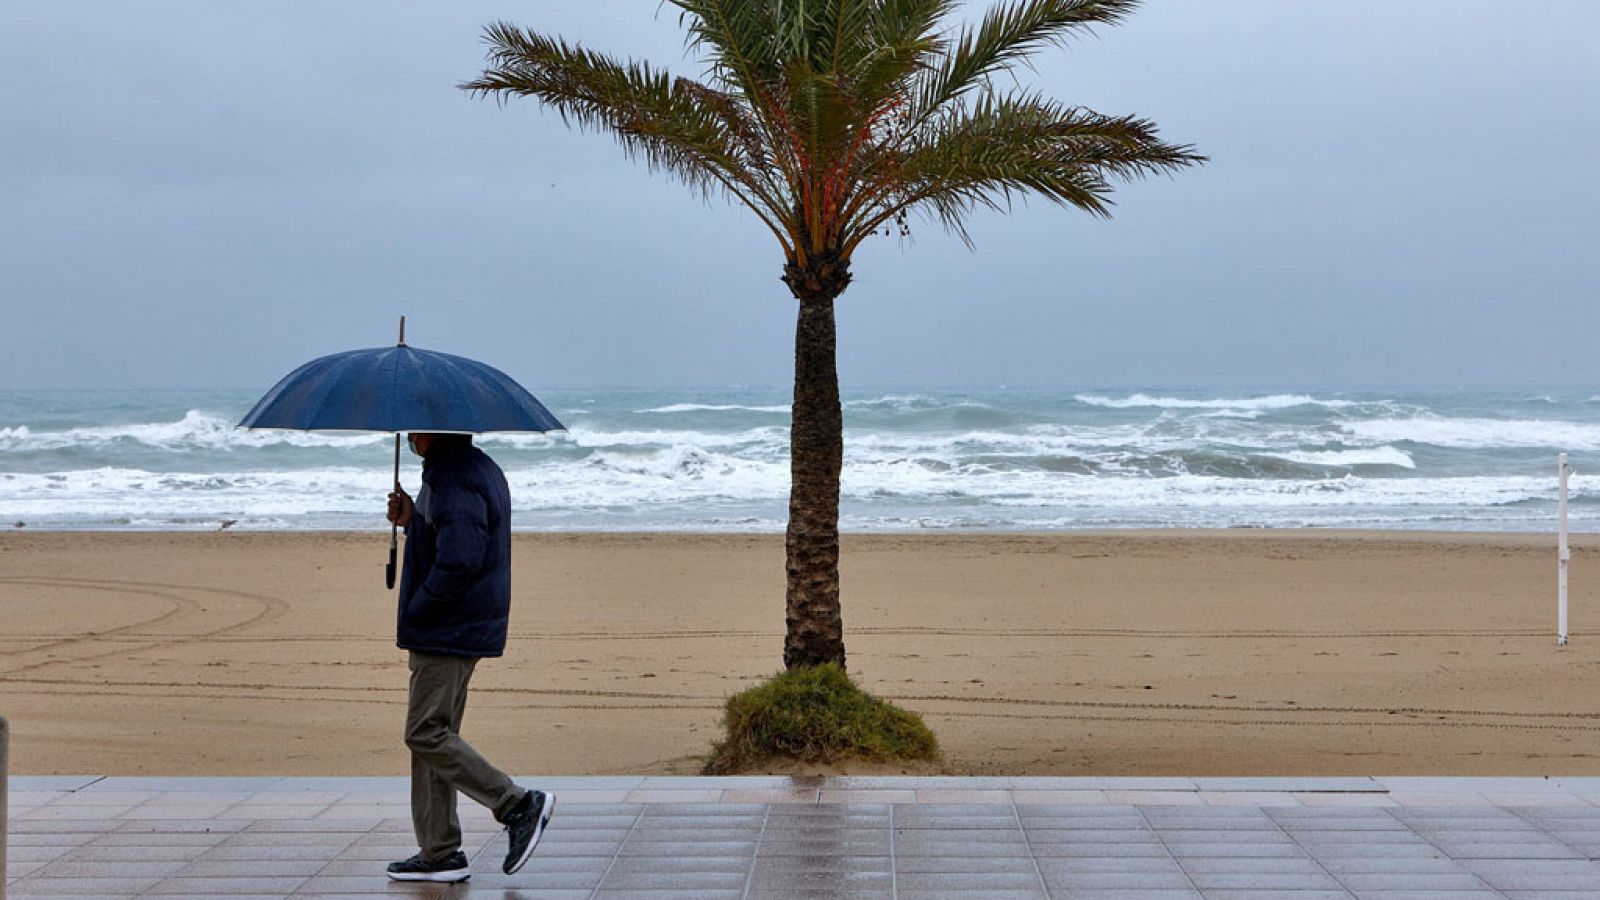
394,529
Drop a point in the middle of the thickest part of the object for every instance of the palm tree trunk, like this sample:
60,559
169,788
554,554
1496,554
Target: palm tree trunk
815,626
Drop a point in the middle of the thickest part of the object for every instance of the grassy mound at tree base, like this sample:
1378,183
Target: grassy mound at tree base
815,714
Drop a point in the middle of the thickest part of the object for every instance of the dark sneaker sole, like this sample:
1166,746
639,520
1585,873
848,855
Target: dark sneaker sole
447,875
545,810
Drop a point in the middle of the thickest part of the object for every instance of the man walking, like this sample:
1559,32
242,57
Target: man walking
455,601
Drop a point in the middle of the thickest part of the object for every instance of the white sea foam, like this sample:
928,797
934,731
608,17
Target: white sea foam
197,430
911,461
1474,434
1035,440
1373,456
908,403
714,407
1275,401
597,439
1202,491
1232,414
689,483
135,492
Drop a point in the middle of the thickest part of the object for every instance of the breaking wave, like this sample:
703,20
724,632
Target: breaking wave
1275,401
995,459
1478,433
1376,456
197,430
714,407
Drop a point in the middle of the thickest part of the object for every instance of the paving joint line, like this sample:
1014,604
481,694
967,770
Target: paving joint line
1027,842
480,851
368,832
894,864
755,853
1438,849
1539,828
1307,851
1171,857
637,818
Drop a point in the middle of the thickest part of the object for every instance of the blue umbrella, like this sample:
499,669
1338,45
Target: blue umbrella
399,388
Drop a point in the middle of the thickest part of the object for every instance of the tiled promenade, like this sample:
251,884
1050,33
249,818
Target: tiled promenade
667,838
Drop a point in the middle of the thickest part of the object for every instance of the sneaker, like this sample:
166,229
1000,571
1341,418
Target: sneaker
525,824
452,868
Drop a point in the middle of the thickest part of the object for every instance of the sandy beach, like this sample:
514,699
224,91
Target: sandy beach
1183,653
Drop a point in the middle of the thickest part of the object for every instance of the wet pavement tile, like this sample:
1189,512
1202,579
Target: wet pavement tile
688,848
696,894
79,887
241,839
1537,874
962,894
1122,881
974,883
1042,836
879,846
693,880
967,864
1235,849
1109,849
135,854
1374,882
875,882
138,868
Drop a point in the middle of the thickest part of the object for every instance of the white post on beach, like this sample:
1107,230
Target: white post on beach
1563,556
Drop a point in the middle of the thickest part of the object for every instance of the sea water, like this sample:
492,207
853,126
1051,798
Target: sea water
915,460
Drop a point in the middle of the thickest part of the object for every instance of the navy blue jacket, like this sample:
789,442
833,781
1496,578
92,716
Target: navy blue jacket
455,591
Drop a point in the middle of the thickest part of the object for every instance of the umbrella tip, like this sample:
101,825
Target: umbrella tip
402,331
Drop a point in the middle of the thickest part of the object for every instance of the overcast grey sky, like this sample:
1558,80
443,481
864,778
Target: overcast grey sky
207,194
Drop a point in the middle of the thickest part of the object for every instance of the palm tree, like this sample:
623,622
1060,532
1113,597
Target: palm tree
832,121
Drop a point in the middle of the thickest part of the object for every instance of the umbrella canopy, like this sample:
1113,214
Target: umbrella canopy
397,389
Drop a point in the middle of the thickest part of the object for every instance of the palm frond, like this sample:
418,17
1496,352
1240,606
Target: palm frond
899,20
1005,146
830,118
900,44
736,38
1006,36
844,37
701,136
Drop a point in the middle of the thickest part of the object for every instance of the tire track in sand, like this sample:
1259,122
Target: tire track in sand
1154,713
184,608
113,690
1226,707
1288,716
1292,723
178,608
334,688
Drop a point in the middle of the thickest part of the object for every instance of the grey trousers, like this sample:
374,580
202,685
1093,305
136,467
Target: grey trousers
441,762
